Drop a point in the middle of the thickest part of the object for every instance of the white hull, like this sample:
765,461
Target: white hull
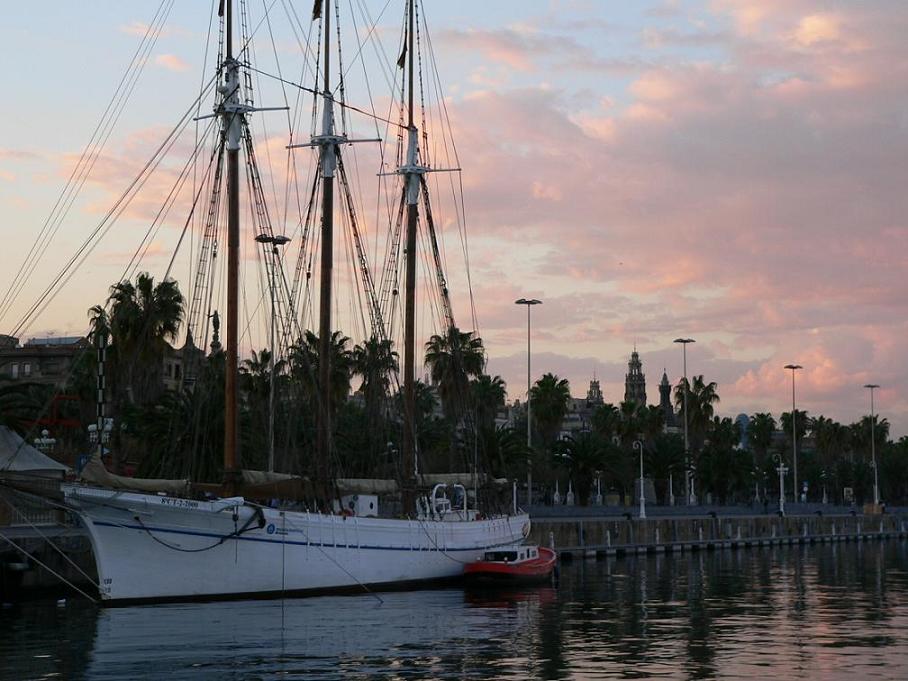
154,547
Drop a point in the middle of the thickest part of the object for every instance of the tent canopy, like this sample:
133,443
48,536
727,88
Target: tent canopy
17,456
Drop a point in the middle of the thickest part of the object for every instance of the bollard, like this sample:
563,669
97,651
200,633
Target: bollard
738,534
608,538
552,540
700,532
657,536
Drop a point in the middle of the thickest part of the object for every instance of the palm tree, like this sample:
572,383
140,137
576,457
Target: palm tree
760,428
453,359
550,396
99,322
652,422
375,361
143,318
831,439
22,403
584,456
630,423
488,396
723,469
505,450
606,421
801,420
304,363
666,458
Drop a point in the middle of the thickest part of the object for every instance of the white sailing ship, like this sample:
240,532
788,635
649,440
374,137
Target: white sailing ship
163,544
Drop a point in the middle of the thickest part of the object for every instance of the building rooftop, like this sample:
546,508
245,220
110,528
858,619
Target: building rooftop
55,340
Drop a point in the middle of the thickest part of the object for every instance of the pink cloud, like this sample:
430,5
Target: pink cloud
755,203
171,62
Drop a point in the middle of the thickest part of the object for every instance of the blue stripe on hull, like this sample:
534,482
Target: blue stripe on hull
193,533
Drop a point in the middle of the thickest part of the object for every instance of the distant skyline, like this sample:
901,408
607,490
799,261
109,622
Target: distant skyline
728,170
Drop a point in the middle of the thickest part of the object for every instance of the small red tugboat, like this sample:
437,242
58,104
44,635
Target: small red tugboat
517,565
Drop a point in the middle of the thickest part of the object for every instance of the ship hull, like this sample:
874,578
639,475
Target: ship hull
154,548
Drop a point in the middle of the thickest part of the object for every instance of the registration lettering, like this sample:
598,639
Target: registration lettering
179,503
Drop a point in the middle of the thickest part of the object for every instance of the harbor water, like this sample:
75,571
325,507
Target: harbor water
830,611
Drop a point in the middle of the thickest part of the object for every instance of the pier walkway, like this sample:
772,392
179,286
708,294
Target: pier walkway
588,534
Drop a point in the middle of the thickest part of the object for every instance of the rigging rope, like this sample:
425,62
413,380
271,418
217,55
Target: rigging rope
67,271
88,158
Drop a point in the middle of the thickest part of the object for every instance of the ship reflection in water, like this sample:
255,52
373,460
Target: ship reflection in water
804,612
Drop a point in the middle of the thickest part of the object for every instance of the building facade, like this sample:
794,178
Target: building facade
48,361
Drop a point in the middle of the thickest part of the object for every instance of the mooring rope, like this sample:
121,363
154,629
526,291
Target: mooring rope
51,543
46,567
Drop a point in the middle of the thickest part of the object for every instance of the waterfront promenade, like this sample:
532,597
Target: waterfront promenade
589,531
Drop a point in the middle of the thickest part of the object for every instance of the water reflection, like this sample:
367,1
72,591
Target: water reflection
831,611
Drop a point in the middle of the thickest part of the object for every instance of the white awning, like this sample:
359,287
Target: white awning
17,456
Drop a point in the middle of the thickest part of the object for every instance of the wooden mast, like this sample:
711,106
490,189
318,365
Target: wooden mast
231,116
328,165
412,198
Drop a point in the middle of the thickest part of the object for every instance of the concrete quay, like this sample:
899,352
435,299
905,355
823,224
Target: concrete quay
590,536
64,549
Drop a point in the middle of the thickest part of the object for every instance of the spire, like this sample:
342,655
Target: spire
635,380
665,400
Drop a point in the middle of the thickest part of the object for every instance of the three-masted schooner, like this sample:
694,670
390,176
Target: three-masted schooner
163,546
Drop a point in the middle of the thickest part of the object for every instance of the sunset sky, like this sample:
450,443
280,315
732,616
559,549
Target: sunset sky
729,170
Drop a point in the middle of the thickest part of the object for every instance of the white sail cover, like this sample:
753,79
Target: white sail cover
17,456
379,486
95,472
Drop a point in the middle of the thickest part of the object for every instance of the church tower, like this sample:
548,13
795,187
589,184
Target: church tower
665,401
594,394
635,381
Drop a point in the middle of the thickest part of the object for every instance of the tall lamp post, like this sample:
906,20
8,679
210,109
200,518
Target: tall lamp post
274,241
876,477
688,491
638,445
794,429
529,303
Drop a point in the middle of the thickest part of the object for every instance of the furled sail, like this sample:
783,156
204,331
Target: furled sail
95,472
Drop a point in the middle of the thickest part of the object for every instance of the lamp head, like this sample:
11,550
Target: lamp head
684,340
871,386
793,367
275,240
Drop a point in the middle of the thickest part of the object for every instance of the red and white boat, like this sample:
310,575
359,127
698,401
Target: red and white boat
513,565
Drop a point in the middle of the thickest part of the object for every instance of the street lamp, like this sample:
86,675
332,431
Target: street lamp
274,241
529,303
638,445
688,486
876,477
783,469
794,428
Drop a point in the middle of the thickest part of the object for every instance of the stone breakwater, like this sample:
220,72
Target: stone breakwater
578,537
